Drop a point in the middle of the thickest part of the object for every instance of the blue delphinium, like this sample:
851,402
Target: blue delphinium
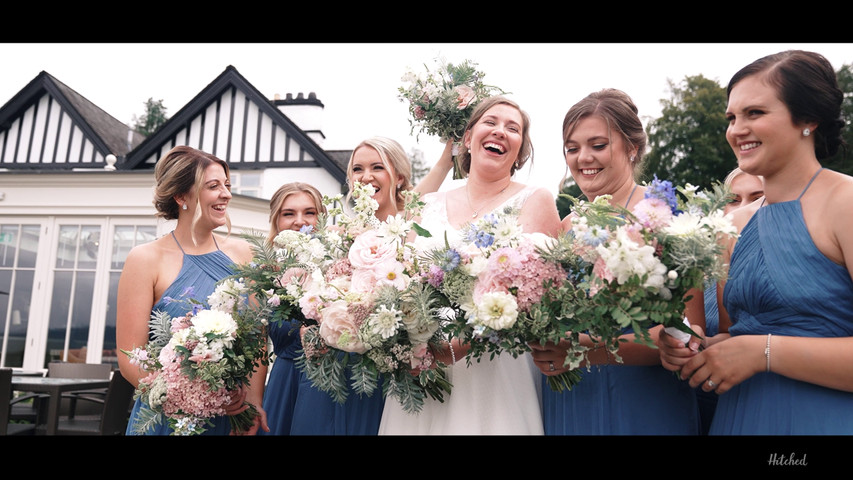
663,190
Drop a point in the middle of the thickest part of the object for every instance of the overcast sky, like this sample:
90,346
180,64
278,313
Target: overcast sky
358,82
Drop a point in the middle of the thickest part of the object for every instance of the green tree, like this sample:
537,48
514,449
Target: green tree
154,116
841,161
687,144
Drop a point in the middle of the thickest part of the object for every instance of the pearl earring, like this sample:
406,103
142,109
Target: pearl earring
185,206
806,132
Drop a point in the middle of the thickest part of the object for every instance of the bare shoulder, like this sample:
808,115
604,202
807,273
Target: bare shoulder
237,248
838,190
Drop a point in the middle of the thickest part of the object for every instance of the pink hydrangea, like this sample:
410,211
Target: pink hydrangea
520,271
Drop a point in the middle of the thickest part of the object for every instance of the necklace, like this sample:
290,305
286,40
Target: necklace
477,210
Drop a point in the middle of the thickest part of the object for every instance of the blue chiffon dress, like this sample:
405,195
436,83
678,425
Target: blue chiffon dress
283,382
780,283
201,272
622,400
317,413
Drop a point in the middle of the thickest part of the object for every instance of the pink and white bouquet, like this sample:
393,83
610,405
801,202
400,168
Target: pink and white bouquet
503,281
375,318
194,361
637,267
441,101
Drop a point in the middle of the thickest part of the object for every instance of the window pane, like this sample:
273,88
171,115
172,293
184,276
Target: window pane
66,251
90,242
58,323
29,246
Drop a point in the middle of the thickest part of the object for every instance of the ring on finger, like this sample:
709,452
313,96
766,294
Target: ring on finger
712,384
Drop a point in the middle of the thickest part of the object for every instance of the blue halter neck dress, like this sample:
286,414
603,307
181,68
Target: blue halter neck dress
201,272
780,283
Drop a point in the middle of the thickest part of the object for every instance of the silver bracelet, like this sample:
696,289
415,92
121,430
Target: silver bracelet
767,351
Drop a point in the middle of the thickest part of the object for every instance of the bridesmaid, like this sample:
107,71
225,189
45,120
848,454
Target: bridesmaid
383,163
194,188
604,142
785,369
292,207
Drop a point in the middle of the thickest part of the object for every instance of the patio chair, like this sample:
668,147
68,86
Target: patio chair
7,426
26,407
115,411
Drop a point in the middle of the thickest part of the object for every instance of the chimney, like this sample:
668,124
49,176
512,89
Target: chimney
306,113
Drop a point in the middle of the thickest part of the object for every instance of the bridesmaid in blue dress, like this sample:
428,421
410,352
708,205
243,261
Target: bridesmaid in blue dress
192,187
383,163
292,207
785,368
604,142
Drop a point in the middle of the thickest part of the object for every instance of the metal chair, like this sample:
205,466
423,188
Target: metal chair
115,411
6,425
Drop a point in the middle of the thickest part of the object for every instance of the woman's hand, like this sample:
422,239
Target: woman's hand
550,357
238,401
673,352
726,363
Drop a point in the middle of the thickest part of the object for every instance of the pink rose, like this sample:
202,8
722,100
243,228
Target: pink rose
294,274
464,96
363,280
339,329
369,250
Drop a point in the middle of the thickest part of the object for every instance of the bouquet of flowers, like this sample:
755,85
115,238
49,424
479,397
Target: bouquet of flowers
441,101
194,361
637,267
373,313
506,284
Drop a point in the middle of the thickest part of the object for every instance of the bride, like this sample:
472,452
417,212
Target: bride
501,396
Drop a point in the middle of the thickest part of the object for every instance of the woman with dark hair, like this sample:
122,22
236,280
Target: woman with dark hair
786,306
604,142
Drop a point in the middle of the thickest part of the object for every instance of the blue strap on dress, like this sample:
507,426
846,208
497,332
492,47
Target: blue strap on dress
780,283
197,279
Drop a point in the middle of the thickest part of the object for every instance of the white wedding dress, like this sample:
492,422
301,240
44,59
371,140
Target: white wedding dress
498,397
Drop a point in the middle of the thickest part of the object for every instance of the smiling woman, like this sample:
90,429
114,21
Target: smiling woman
500,396
193,187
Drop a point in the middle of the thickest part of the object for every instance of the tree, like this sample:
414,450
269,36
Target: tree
154,116
841,161
419,169
688,142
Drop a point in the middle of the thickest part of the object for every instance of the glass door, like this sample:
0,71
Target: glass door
19,247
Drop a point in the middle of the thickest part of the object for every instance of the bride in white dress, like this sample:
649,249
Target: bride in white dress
500,396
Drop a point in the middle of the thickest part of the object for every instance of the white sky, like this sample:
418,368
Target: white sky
357,82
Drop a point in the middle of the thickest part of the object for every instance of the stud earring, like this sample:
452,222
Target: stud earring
185,206
806,132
